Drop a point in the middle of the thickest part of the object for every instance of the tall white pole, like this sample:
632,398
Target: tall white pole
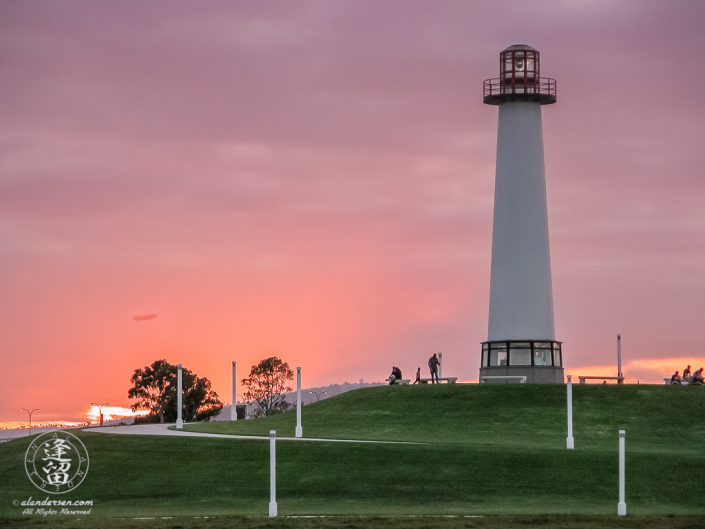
233,410
440,365
570,441
179,419
299,430
622,506
272,473
619,355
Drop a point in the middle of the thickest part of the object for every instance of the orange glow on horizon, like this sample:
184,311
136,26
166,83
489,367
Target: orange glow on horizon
642,371
113,412
24,425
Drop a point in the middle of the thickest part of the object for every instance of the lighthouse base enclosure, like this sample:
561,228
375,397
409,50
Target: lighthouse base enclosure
540,362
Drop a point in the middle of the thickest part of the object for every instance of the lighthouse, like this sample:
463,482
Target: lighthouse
521,343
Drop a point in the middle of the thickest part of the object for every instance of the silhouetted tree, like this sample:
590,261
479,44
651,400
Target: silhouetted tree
155,388
266,386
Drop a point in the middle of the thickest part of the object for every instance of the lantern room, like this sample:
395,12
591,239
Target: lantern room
519,68
519,78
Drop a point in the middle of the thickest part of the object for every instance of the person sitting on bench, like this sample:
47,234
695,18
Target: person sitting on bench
687,375
676,379
396,375
698,377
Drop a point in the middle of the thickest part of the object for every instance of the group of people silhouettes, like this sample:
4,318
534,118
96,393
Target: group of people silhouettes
433,364
695,379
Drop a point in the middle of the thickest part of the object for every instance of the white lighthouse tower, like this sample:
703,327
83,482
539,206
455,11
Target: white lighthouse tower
521,336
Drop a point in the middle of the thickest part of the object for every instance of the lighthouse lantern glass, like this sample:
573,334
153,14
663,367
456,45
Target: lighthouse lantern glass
519,70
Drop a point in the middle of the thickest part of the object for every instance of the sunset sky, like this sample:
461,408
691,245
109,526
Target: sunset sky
314,180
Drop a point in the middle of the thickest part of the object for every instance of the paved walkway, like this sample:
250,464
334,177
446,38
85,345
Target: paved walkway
7,435
163,429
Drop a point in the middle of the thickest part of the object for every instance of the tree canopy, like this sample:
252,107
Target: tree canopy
155,388
266,386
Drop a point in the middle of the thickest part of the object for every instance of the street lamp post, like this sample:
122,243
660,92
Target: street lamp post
179,397
233,411
318,394
620,380
30,417
299,431
100,410
272,473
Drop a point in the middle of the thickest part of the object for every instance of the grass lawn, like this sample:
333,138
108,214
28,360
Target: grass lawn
468,450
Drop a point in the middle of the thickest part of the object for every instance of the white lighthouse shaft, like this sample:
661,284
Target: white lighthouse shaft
521,297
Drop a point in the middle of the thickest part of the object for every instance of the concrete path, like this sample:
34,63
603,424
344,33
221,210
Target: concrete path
8,435
159,429
163,429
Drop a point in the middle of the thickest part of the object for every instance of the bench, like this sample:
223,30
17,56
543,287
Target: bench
399,381
520,378
619,380
683,383
447,380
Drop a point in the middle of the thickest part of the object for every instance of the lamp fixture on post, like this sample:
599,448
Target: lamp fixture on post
30,417
318,394
100,410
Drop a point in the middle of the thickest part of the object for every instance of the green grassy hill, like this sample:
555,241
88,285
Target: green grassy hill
493,414
467,449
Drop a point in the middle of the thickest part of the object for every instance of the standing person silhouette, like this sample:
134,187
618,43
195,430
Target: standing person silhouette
433,364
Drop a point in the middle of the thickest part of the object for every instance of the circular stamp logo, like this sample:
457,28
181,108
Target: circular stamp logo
56,462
